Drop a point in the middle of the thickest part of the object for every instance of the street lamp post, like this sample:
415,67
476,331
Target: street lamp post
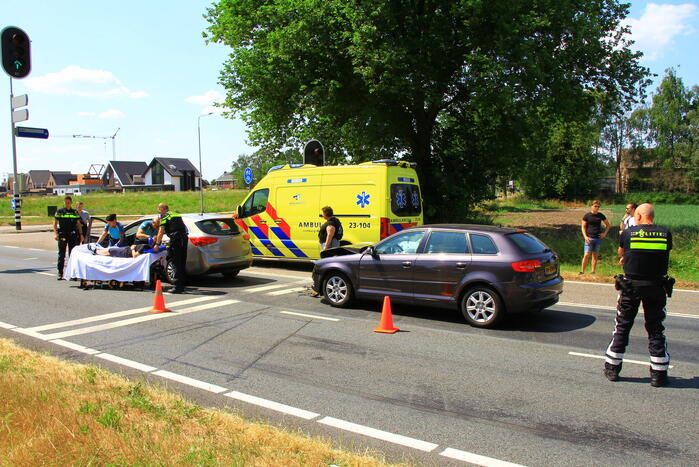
201,174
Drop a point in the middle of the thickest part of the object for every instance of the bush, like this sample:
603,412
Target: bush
662,197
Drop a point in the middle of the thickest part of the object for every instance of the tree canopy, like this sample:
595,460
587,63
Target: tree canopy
458,86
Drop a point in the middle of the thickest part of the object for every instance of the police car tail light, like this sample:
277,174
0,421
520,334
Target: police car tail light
385,228
529,265
202,241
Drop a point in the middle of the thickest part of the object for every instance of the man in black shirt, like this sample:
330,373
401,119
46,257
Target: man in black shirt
591,227
644,251
67,230
172,224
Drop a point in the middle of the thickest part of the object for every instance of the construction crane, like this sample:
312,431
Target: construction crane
113,138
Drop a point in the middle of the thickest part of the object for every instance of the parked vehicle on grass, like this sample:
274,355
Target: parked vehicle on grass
216,245
373,200
483,271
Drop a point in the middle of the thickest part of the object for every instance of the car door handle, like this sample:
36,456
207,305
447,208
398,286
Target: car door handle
262,222
278,221
407,264
461,265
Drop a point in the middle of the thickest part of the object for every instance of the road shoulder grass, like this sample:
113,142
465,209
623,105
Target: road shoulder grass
56,413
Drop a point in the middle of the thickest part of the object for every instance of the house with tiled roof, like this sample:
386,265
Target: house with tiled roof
180,173
119,174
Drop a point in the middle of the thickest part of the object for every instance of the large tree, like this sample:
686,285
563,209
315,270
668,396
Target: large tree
669,128
454,85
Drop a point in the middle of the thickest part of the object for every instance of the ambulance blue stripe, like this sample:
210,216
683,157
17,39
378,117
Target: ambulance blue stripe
255,251
288,242
265,241
398,227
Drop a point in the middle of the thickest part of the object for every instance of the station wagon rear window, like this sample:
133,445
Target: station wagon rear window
528,243
405,200
483,245
218,226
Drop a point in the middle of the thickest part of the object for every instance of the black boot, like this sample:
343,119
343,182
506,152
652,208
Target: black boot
611,372
658,378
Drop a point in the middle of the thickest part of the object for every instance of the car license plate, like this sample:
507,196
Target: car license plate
550,269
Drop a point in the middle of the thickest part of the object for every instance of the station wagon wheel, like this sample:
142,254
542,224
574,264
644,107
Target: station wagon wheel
170,272
337,289
482,307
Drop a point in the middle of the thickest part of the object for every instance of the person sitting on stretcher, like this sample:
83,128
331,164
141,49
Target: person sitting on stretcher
122,251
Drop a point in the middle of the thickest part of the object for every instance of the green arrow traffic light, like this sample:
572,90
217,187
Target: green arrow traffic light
15,52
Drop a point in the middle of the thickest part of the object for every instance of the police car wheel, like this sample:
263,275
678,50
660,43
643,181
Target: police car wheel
482,307
337,289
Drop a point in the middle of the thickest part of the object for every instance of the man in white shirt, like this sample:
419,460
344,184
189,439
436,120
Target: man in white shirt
629,219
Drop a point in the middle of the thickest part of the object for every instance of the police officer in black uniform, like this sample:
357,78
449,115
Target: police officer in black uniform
172,224
644,251
67,230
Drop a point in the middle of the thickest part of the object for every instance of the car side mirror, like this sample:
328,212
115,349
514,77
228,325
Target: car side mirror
372,251
239,213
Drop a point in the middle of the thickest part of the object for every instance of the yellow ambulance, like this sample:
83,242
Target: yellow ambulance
373,200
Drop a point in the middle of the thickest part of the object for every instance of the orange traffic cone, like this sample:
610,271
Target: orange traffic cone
159,300
386,324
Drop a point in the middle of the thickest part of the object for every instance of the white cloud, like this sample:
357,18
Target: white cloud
111,113
655,31
208,99
86,114
77,81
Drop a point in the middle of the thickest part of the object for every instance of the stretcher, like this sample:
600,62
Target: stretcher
108,271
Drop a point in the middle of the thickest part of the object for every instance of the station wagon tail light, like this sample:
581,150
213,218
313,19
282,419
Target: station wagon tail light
202,241
529,265
385,228
246,237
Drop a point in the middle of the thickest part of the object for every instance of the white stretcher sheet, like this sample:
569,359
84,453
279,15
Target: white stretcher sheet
82,264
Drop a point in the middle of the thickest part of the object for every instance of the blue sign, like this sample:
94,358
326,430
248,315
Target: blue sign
247,175
26,132
13,204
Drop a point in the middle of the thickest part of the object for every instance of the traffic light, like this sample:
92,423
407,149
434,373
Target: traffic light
314,153
15,52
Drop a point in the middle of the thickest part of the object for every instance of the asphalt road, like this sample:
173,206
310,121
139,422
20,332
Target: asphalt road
530,393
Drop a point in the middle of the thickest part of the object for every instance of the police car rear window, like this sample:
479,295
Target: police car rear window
405,200
218,227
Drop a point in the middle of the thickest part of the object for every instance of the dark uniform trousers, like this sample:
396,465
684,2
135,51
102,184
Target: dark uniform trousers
178,254
654,300
68,242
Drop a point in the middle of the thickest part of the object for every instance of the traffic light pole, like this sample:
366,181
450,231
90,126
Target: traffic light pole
15,181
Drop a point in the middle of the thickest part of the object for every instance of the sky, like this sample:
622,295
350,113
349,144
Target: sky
143,68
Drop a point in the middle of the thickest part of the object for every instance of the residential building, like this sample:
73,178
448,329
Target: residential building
119,174
178,172
225,181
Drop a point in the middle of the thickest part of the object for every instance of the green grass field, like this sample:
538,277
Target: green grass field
34,208
682,220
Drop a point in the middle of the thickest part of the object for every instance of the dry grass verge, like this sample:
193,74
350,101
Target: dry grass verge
56,413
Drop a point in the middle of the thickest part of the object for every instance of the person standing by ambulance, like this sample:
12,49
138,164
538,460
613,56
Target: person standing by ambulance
644,252
330,232
67,231
172,224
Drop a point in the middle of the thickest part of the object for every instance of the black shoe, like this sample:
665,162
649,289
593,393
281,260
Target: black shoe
611,372
658,378
92,248
59,277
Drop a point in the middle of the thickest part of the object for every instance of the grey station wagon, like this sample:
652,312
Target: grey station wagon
484,271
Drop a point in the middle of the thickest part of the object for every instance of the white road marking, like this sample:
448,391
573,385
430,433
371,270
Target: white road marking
308,316
34,249
46,274
117,314
601,357
7,326
140,319
282,292
276,406
379,434
31,333
27,259
123,361
77,347
612,308
191,382
8,246
476,459
268,275
268,287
